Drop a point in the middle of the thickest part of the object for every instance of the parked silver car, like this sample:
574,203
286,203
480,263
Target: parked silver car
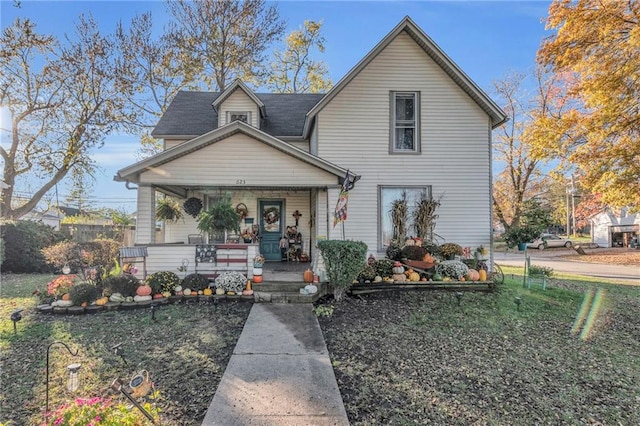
549,241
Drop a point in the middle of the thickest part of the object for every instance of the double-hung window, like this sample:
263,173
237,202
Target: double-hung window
405,122
388,197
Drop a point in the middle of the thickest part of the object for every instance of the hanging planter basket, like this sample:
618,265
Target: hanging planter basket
192,206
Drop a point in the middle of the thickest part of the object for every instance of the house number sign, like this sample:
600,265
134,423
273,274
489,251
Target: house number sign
241,182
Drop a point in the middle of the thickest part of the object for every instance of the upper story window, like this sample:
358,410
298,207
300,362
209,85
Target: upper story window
405,122
239,115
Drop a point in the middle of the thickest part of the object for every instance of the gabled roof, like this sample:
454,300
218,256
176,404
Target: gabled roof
435,52
131,173
238,84
190,114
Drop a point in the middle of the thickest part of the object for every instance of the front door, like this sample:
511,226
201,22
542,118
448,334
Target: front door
271,229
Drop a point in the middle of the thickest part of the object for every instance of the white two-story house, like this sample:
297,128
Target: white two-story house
404,119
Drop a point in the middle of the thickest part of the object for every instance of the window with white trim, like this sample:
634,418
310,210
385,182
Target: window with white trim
387,196
405,122
244,116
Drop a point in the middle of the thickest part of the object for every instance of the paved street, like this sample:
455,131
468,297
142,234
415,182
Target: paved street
552,259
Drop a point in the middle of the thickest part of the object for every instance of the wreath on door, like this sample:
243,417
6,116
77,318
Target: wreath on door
271,215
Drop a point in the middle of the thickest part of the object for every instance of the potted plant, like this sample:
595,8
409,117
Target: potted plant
231,282
192,206
219,218
519,236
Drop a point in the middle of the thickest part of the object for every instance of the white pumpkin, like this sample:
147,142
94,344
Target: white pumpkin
142,298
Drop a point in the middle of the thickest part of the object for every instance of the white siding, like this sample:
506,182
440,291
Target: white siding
353,132
170,143
238,160
145,219
238,101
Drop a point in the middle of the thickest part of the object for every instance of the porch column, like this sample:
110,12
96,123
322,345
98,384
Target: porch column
146,220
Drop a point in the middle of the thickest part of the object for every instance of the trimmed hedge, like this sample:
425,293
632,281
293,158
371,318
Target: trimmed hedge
343,261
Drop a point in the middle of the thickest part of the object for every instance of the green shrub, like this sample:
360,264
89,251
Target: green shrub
24,241
163,280
125,284
83,293
343,261
368,273
540,271
394,250
413,252
100,252
195,282
383,267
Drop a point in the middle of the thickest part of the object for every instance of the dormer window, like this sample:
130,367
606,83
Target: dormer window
244,116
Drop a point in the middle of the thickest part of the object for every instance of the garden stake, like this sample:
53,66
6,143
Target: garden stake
74,370
119,352
116,385
459,295
15,317
518,302
153,311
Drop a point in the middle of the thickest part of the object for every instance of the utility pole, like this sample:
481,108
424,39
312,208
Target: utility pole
573,206
568,229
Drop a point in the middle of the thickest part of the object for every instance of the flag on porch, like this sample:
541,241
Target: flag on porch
340,213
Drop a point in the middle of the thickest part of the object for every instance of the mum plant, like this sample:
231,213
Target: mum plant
231,281
61,285
449,250
454,269
164,281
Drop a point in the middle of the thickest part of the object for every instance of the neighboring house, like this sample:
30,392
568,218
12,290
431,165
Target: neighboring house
405,118
615,228
48,218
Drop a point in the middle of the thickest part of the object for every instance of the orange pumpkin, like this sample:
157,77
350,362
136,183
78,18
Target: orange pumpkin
66,296
257,279
428,258
308,276
473,275
143,290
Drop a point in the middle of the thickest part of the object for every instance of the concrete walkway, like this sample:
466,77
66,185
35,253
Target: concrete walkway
279,373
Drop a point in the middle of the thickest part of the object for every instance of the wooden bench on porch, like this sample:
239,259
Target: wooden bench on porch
212,259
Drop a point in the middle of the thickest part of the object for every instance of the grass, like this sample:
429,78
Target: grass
186,351
419,358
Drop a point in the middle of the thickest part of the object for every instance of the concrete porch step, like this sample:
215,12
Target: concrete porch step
286,292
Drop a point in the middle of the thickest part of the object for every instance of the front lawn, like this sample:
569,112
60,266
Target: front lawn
419,358
186,350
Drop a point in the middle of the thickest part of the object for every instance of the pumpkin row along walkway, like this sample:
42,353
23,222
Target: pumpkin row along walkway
279,373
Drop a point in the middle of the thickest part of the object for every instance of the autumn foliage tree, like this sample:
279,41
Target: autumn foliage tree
62,98
294,69
595,50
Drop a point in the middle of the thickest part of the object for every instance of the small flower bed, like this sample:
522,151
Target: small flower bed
99,411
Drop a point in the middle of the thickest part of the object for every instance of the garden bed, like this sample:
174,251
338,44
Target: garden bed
424,285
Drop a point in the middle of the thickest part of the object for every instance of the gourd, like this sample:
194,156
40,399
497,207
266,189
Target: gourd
414,276
308,276
62,303
377,279
166,294
143,290
117,298
158,296
437,277
473,275
207,292
482,275
399,277
219,291
247,292
257,279
102,301
138,298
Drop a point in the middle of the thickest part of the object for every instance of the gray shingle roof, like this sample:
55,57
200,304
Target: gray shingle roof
190,113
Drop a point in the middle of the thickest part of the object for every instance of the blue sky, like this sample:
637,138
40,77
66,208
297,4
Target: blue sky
487,39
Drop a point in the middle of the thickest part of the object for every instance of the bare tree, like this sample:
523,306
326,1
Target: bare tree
224,40
62,99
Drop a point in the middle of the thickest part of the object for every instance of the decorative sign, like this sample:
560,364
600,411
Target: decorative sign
205,253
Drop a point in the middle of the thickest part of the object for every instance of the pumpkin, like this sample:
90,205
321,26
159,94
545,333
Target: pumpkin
482,275
423,279
231,293
102,301
257,279
186,292
308,276
247,292
158,296
399,277
143,290
207,292
398,270
219,291
473,275
437,277
116,297
138,298
414,276
84,304
66,296
428,258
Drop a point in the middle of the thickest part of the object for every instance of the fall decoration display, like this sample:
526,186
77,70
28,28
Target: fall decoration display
192,206
143,290
308,276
